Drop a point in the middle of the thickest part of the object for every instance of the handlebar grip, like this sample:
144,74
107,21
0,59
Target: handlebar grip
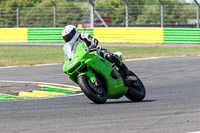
91,50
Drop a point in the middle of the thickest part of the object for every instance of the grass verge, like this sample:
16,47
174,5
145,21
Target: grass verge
14,56
143,52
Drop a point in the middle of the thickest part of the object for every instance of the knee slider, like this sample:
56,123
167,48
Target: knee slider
109,57
113,58
103,53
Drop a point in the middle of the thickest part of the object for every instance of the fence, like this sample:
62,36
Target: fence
105,35
85,15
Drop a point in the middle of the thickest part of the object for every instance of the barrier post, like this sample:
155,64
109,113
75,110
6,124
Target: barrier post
126,13
91,13
162,13
54,14
197,12
17,18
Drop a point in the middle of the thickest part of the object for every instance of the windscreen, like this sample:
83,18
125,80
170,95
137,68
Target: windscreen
69,50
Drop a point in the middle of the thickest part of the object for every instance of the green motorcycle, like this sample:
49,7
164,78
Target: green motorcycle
98,78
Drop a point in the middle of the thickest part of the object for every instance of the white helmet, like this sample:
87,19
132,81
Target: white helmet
70,33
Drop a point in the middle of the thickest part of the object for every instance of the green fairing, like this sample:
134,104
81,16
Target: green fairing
84,63
90,74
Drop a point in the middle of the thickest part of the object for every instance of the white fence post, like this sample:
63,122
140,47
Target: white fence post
162,13
197,13
17,18
126,13
91,14
54,15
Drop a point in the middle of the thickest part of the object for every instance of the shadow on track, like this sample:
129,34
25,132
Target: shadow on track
120,102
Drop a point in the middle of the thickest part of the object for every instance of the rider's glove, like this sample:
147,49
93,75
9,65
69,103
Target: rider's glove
85,35
94,42
92,46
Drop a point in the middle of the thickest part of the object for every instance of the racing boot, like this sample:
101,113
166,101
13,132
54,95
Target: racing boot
126,73
128,77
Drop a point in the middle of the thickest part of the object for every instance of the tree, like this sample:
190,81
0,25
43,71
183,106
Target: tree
70,14
174,13
115,9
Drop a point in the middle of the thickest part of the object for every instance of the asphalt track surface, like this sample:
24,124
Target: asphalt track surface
172,104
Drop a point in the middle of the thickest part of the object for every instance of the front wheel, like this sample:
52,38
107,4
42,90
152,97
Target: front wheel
136,90
96,94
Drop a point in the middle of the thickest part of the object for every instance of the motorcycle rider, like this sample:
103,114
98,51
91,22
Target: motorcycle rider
71,35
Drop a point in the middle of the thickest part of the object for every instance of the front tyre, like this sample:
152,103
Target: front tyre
96,94
136,90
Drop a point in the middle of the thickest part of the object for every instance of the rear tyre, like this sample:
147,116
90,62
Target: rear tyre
96,94
136,90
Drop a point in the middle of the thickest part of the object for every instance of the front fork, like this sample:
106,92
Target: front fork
89,74
94,82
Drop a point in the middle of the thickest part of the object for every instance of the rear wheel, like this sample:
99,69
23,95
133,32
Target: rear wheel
136,90
95,93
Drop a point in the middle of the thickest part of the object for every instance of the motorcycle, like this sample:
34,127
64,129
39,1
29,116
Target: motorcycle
98,78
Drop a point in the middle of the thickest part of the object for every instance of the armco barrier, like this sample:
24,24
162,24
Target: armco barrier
13,35
129,35
105,35
49,34
181,35
45,35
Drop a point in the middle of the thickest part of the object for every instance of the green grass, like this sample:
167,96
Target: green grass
142,52
13,56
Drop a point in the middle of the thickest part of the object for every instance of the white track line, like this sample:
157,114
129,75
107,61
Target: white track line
31,65
153,58
31,82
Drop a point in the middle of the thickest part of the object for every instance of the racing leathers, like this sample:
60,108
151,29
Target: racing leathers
113,58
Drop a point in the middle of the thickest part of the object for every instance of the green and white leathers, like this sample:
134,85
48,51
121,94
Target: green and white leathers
98,78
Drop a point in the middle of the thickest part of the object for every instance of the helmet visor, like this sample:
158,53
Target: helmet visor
69,36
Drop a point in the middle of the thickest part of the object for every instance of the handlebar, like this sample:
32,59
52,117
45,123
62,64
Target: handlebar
91,50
